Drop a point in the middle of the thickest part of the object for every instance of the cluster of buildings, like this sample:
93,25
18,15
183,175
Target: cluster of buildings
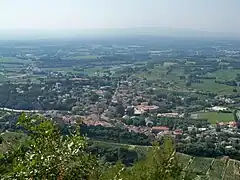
164,130
143,108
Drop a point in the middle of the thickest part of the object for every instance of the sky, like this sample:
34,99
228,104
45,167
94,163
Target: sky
207,15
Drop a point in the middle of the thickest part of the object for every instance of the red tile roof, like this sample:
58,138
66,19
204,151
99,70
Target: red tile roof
160,128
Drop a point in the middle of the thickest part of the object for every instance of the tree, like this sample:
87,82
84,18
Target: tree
120,110
218,128
142,121
136,122
129,121
1,139
47,154
130,111
94,97
107,95
235,90
235,115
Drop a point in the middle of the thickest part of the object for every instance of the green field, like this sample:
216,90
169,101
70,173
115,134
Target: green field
217,169
225,74
153,74
200,165
214,117
183,159
211,86
208,85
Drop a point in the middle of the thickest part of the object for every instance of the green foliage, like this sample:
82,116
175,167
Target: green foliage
160,164
235,115
48,155
120,109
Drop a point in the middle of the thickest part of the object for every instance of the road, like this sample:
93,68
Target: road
19,110
27,111
113,97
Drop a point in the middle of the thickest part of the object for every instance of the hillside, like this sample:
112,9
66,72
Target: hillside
205,168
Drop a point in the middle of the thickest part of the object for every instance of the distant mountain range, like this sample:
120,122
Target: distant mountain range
142,31
157,31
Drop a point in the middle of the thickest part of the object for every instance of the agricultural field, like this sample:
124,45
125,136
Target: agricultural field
183,159
225,74
174,75
153,74
232,171
214,117
210,86
160,73
217,169
200,165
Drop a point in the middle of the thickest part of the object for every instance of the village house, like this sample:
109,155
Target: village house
158,129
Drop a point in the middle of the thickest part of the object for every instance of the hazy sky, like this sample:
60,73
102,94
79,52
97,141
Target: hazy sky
210,15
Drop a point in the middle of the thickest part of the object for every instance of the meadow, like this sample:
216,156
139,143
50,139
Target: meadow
214,117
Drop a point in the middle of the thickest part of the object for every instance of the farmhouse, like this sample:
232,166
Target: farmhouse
146,108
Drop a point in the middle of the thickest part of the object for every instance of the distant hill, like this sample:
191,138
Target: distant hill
158,31
93,33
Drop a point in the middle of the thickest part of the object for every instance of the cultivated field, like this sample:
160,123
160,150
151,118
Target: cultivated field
214,117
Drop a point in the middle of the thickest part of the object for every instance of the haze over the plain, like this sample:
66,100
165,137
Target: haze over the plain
65,16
